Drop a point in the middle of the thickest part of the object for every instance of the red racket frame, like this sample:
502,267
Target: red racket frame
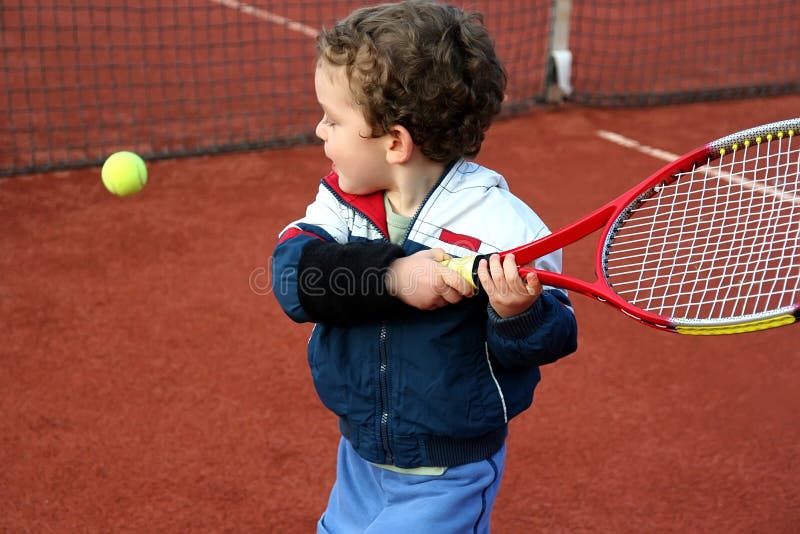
604,218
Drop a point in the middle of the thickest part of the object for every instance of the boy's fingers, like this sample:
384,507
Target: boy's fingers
438,254
484,276
452,296
512,276
496,267
510,270
443,288
457,282
532,285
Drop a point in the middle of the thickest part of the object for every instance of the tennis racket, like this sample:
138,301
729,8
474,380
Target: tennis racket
707,245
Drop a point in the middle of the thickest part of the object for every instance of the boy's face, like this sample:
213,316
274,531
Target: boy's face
358,158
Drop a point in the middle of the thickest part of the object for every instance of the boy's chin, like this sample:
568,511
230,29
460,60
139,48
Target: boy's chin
354,189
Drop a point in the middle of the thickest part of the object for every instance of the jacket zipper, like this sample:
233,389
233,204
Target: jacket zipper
427,197
383,371
384,385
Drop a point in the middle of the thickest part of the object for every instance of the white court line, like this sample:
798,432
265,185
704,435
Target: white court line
627,142
268,16
663,155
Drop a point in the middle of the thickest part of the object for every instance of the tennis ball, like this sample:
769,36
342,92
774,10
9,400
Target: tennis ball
124,173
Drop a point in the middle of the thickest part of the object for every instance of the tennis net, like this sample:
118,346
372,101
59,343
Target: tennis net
84,78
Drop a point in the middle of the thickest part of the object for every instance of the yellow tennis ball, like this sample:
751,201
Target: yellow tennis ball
124,173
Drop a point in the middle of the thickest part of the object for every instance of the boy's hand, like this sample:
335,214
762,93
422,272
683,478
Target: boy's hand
508,293
421,281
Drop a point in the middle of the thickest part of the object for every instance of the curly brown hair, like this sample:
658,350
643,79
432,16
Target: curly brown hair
426,66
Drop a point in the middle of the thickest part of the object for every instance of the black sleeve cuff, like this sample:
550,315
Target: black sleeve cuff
344,284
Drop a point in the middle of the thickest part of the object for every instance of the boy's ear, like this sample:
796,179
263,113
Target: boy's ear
400,145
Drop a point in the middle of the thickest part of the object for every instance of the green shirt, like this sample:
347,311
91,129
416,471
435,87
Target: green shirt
398,224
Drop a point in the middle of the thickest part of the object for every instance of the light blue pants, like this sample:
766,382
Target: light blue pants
370,499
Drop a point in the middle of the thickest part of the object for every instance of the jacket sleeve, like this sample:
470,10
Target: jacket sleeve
544,333
317,276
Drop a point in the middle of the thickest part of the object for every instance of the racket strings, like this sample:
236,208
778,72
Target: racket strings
715,243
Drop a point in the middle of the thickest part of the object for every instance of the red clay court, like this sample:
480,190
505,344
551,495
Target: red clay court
150,383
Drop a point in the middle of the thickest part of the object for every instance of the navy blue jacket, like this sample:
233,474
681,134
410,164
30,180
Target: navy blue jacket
411,387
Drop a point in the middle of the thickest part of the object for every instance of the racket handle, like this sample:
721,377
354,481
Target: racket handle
467,267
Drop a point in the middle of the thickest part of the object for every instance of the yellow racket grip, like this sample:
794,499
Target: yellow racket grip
466,267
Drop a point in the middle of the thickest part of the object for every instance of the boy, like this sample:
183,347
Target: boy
423,375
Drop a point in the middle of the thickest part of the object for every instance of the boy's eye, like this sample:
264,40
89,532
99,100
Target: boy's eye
326,121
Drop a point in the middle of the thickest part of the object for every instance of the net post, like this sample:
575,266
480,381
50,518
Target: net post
559,61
